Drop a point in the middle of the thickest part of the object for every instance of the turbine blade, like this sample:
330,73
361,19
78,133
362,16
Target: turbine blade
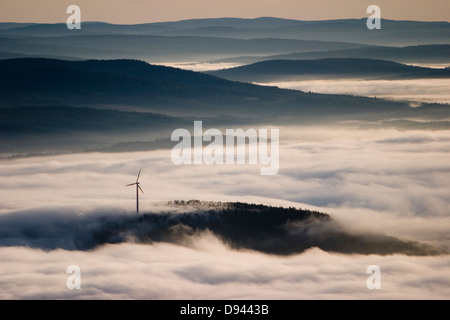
138,175
140,188
131,184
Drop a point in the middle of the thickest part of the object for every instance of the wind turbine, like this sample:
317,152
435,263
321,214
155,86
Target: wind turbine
138,187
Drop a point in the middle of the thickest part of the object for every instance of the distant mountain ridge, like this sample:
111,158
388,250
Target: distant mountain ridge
158,48
393,32
218,38
437,53
272,70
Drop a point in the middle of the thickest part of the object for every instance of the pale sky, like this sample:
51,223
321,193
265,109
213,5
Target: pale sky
142,11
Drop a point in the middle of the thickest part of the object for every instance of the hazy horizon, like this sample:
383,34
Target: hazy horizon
142,11
218,17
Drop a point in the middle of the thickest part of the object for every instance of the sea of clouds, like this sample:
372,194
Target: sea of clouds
374,180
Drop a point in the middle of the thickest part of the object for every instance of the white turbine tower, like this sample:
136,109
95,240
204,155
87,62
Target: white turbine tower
138,187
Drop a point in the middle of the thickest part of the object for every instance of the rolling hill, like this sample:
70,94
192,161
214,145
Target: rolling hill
437,53
49,105
273,230
273,70
46,82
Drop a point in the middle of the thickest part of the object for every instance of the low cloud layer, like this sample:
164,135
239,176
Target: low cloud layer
212,271
199,66
371,181
417,90
363,177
